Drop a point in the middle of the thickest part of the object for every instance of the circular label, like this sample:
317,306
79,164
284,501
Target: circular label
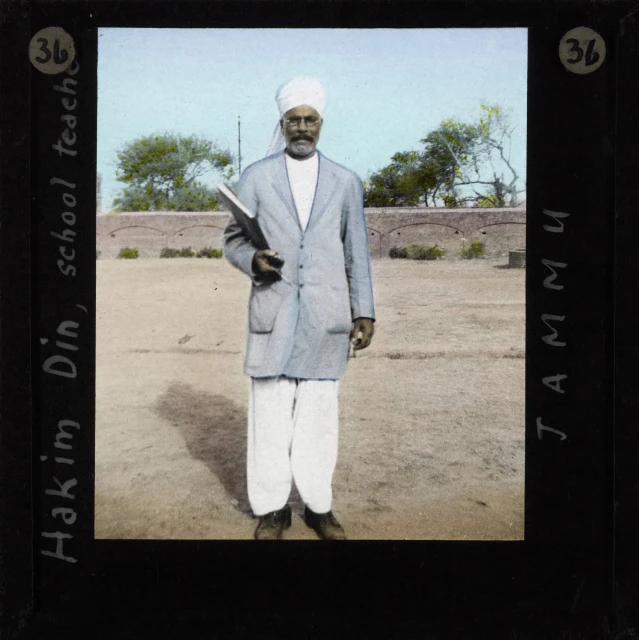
51,50
582,50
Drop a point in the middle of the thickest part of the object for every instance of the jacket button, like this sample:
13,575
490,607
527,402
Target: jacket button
301,266
301,246
301,286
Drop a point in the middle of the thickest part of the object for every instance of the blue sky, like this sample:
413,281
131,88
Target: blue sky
386,88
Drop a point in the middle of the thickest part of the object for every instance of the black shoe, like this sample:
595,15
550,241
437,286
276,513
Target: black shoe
325,525
273,524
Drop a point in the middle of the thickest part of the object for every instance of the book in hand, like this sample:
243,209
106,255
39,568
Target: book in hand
243,216
249,224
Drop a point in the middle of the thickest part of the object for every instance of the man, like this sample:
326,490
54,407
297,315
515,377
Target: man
311,293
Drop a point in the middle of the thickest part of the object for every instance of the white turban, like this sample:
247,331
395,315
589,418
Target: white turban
295,93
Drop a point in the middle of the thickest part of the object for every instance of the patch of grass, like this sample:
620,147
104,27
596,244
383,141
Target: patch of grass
398,252
128,253
185,252
208,252
473,250
425,252
417,252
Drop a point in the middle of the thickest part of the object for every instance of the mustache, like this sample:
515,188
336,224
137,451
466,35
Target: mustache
307,138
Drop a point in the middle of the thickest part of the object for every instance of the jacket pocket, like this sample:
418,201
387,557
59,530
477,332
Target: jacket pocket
264,305
339,317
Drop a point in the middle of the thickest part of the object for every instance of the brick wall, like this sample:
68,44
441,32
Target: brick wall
499,229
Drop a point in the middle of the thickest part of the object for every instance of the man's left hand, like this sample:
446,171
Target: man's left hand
365,328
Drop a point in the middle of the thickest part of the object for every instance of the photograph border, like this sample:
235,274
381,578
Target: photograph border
626,351
561,575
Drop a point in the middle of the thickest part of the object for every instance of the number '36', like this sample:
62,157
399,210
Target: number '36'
60,56
590,56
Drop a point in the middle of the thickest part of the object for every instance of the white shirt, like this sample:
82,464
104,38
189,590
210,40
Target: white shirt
302,176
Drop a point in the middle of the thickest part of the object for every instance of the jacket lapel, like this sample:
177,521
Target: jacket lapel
283,188
324,192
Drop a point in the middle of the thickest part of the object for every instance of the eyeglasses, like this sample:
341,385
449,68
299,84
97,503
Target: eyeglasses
296,121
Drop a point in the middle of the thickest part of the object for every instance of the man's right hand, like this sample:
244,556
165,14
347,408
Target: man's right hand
267,263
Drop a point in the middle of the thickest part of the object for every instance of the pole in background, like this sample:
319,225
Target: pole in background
239,147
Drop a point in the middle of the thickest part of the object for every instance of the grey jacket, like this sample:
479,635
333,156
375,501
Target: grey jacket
302,329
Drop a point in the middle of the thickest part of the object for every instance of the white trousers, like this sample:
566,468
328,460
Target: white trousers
292,434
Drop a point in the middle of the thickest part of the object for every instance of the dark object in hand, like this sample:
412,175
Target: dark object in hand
266,264
275,260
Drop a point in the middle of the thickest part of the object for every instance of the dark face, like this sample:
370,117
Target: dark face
301,127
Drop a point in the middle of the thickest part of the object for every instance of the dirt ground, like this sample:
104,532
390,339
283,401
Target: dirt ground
431,414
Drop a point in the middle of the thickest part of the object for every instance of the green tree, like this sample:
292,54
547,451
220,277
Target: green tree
453,168
492,142
449,148
404,182
161,173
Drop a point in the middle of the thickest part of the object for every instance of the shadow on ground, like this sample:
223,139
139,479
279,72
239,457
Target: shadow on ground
214,430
